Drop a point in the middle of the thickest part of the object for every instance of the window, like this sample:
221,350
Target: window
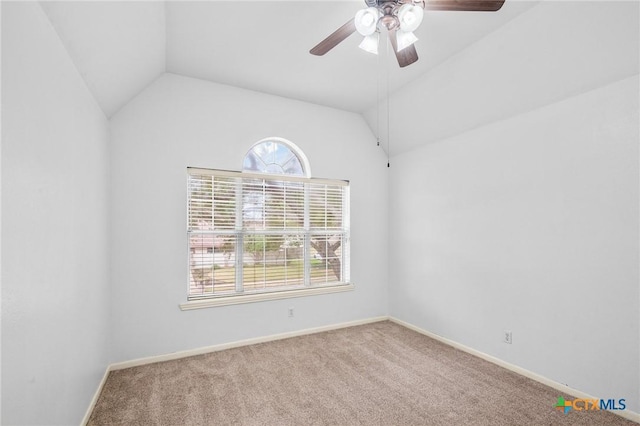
269,229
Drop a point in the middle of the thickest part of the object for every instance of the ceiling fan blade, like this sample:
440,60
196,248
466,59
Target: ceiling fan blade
465,5
334,38
406,56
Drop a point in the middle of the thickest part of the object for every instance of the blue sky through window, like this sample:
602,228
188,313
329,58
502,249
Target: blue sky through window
274,158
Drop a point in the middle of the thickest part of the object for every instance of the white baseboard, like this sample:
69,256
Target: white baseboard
94,400
215,348
629,415
239,343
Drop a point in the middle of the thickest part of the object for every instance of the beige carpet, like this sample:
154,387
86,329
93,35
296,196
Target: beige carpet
376,374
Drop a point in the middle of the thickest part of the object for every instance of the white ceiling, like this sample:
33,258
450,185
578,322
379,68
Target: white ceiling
118,47
121,47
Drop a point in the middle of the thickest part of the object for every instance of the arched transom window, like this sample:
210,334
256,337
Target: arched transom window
276,156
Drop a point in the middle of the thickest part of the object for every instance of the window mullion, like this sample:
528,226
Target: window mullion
239,237
264,204
213,202
326,200
306,253
264,261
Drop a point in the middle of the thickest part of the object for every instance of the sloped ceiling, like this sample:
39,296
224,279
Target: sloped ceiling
264,46
554,51
121,47
474,67
118,47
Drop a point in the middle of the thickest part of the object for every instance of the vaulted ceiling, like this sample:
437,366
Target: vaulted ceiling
121,47
474,68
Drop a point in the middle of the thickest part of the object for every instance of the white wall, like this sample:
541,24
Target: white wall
531,225
54,227
179,122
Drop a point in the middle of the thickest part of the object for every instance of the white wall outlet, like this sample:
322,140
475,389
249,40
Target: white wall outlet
290,312
507,337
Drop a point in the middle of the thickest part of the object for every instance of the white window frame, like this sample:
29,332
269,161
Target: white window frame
203,301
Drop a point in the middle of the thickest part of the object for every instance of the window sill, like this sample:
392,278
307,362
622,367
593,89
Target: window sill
259,297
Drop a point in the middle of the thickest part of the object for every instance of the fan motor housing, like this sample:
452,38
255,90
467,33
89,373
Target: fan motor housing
390,22
382,3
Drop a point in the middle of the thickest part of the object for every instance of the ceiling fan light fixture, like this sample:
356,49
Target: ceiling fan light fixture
405,39
370,43
410,17
366,21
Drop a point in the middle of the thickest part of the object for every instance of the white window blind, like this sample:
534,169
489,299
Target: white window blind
253,232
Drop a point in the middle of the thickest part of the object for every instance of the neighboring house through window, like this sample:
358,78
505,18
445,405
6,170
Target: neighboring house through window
271,228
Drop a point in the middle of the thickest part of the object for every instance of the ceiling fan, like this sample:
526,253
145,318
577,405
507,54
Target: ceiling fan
400,18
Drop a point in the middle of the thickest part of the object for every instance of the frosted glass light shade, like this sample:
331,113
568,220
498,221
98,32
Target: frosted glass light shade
410,17
405,39
370,43
367,21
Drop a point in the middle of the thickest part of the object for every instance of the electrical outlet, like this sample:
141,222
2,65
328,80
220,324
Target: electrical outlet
290,312
507,337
